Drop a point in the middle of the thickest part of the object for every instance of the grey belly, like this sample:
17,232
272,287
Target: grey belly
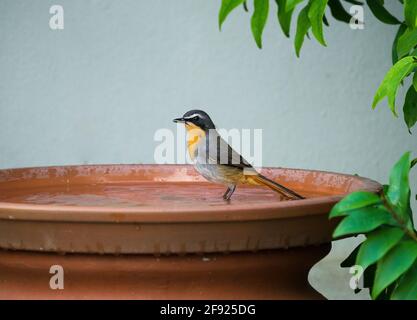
219,173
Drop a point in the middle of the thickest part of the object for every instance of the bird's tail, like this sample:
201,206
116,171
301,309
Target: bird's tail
276,187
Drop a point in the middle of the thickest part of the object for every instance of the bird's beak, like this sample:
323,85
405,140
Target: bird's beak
180,120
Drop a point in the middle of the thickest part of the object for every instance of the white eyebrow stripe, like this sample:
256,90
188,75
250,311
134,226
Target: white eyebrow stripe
192,116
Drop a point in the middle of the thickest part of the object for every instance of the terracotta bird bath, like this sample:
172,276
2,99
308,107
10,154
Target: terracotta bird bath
162,232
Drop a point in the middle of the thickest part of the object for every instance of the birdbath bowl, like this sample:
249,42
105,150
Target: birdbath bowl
163,232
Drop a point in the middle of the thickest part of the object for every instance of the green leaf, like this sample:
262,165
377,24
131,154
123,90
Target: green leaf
377,244
227,7
258,21
388,87
363,220
355,200
393,265
315,15
338,11
386,293
303,25
410,13
351,259
407,286
381,13
284,17
399,189
413,163
406,42
400,32
291,4
410,108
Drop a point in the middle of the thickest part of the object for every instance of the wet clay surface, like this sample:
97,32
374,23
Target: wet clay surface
143,194
159,186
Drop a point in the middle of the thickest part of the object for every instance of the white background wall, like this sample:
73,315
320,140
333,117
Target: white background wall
97,91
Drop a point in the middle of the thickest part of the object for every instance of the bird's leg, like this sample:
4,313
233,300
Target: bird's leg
225,194
231,190
228,194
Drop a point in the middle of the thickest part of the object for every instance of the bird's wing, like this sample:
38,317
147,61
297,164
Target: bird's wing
222,153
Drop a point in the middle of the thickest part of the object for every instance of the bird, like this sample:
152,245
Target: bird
218,162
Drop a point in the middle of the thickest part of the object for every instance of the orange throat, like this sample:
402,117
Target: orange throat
194,136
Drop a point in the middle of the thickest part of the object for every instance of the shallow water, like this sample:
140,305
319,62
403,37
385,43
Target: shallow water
155,194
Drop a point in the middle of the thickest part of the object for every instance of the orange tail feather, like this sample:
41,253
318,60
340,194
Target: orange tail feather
260,179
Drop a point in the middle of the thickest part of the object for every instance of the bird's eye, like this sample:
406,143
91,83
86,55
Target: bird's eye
195,118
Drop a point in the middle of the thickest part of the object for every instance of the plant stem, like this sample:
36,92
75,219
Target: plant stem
410,233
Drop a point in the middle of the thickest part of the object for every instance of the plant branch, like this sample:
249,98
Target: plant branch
401,222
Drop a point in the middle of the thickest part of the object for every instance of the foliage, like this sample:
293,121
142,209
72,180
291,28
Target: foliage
312,17
389,253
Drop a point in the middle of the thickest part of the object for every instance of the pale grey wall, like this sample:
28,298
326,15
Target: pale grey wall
97,91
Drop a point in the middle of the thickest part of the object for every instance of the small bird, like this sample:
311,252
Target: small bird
216,160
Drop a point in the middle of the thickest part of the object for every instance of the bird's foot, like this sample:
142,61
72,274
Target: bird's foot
227,197
228,194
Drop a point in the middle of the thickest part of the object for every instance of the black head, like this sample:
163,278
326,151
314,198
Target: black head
198,118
